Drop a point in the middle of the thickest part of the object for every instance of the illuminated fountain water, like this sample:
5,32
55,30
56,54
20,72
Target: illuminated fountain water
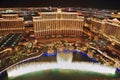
64,57
64,61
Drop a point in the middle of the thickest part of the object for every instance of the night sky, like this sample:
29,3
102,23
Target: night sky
107,4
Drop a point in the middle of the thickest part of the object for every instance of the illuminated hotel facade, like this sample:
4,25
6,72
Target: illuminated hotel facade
109,29
58,23
11,23
116,15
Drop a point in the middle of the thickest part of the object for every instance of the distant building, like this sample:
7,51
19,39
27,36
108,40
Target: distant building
65,23
11,23
97,25
115,15
112,30
108,28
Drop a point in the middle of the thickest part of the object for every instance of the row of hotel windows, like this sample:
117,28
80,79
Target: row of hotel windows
11,31
58,32
96,27
17,28
58,15
111,30
11,24
59,24
9,17
107,29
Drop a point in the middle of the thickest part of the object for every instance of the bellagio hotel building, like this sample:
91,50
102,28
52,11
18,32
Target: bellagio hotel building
58,23
11,23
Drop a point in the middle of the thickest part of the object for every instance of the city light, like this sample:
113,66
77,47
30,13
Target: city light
37,39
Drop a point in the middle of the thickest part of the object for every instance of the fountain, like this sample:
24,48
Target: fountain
64,57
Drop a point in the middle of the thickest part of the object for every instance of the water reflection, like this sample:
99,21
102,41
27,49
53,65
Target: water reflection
64,74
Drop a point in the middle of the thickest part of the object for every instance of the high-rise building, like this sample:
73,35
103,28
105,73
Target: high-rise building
108,28
97,25
11,23
112,30
64,23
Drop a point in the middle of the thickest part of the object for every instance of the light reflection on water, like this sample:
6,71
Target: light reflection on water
63,74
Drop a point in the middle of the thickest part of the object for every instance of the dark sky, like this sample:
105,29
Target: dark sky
108,4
